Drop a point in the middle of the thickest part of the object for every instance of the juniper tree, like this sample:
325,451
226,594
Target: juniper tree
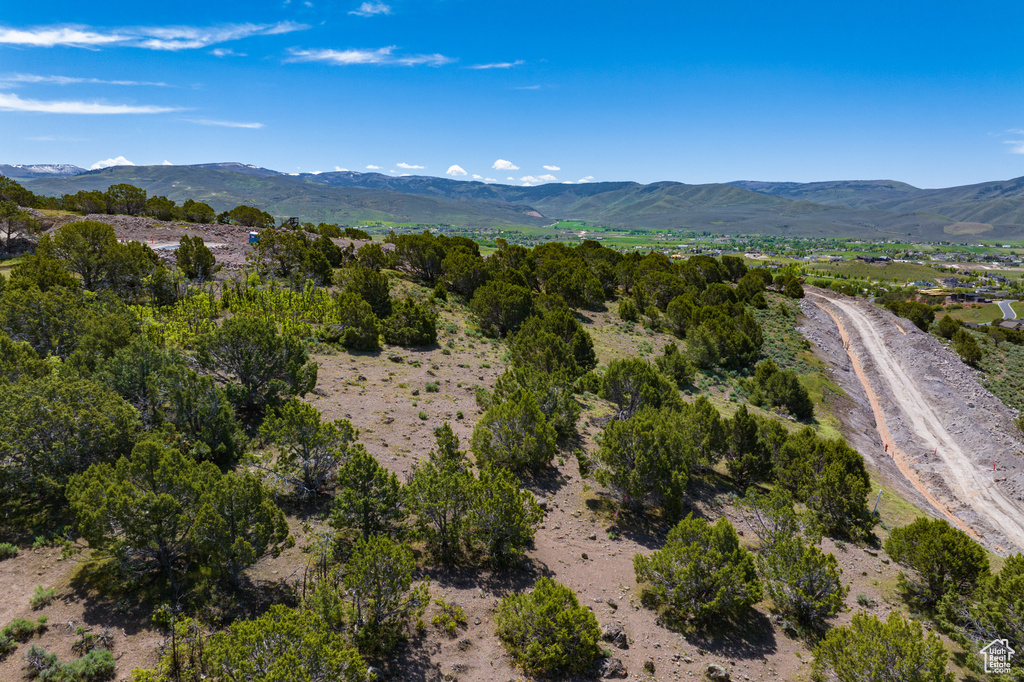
944,559
310,450
892,651
701,575
259,365
369,500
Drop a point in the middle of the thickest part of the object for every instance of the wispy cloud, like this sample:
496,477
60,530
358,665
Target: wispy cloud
498,65
490,180
51,36
372,167
409,166
224,124
14,78
369,9
551,168
1018,145
107,163
226,52
151,38
379,56
9,102
456,171
502,164
339,169
527,87
55,138
477,177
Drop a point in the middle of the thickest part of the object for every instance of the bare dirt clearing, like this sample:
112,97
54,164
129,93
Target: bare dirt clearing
933,418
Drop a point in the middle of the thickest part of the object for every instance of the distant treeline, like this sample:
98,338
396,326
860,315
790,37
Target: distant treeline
125,199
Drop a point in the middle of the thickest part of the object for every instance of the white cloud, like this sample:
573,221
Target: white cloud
107,163
224,124
225,52
9,102
380,56
372,167
502,164
339,169
151,38
369,9
48,37
583,181
490,180
498,65
551,168
510,178
538,180
456,171
13,78
527,87
477,177
165,163
1018,146
409,166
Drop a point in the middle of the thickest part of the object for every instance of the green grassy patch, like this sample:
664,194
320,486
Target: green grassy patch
979,314
1004,367
887,272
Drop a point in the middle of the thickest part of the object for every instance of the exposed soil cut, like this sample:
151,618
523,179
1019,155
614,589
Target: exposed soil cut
949,438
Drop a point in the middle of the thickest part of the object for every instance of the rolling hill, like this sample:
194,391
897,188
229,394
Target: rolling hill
225,186
880,209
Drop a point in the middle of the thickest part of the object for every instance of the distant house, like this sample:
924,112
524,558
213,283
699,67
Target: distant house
949,281
874,259
968,297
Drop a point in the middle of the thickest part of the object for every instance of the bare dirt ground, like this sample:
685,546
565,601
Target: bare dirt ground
948,437
580,542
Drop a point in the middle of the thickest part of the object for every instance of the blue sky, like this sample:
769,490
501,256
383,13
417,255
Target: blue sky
931,93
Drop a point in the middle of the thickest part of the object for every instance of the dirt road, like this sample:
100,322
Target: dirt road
947,436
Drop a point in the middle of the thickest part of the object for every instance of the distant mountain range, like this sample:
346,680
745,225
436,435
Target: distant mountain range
878,209
39,170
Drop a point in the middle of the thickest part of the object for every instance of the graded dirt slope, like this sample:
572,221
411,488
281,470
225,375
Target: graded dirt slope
949,437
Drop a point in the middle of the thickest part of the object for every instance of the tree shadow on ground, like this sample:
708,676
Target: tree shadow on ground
645,529
111,600
499,582
105,601
648,526
750,638
410,660
547,481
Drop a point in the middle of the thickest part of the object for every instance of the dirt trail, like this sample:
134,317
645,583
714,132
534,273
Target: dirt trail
943,445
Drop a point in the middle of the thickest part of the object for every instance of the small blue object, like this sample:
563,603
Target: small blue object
254,237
